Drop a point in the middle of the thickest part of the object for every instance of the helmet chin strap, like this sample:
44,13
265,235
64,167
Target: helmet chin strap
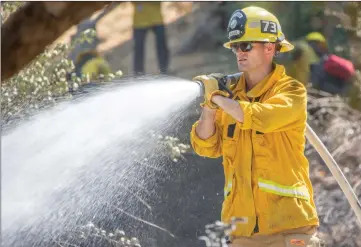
278,49
278,46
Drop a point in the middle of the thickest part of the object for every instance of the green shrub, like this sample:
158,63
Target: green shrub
44,81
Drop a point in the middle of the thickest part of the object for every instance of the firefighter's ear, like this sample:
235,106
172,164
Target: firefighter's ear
270,48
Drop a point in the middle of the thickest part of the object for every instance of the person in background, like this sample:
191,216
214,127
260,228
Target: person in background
84,54
312,63
147,16
92,64
308,51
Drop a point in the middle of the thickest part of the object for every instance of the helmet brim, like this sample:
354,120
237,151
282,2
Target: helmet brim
285,45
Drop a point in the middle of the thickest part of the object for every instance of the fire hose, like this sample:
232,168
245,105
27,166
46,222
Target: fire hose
317,144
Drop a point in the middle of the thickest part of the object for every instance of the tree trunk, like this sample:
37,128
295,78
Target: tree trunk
36,25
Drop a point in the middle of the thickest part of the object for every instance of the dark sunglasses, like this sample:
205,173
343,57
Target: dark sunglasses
243,46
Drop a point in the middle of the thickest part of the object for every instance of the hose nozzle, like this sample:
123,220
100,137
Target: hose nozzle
233,78
225,82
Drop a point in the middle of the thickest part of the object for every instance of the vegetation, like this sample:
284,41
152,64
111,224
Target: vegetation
45,80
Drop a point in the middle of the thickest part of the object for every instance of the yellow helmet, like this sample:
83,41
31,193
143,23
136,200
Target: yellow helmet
255,24
316,36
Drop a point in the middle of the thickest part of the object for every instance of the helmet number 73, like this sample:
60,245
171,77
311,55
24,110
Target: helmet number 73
268,27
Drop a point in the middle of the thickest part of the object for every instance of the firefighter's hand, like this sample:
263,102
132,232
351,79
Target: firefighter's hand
211,88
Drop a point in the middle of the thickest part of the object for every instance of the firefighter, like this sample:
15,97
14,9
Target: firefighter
148,16
307,53
92,64
260,134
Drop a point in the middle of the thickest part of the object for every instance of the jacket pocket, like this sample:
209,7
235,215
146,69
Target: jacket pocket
230,141
287,205
229,148
263,151
230,130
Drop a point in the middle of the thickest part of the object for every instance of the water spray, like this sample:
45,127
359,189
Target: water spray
97,161
217,233
315,142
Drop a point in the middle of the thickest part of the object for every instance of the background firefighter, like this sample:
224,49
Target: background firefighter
260,135
148,16
312,63
308,52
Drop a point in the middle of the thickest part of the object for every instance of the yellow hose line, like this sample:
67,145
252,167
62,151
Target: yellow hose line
335,170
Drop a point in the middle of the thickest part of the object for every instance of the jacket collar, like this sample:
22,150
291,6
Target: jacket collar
263,85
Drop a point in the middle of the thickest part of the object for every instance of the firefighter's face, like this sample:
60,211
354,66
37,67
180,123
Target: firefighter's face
252,55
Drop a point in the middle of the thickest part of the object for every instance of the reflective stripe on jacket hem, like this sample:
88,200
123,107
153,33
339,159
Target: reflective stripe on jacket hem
282,190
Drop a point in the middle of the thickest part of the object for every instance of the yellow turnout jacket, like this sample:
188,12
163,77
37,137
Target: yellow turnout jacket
95,67
301,68
266,172
147,14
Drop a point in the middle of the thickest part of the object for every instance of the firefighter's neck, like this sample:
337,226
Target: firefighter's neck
256,76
